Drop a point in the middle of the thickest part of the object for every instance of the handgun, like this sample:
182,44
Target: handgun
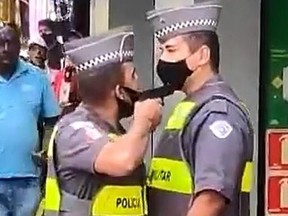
160,92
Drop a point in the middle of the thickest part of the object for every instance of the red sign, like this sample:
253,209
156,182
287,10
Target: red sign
277,149
277,172
277,195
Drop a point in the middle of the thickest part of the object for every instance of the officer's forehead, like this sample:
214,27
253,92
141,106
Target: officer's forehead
172,42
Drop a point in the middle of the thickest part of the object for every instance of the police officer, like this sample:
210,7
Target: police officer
95,168
204,158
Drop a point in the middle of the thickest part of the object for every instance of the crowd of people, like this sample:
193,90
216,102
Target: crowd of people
46,52
202,164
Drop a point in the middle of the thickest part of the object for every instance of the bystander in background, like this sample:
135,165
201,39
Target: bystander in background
37,52
26,96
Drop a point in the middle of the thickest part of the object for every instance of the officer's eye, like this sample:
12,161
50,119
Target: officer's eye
170,50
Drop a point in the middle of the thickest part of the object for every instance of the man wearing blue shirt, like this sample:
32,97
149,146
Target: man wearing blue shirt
25,97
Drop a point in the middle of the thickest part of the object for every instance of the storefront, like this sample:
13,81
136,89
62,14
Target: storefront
273,107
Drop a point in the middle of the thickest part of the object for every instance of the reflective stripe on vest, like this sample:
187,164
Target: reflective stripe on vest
164,173
110,200
170,175
52,193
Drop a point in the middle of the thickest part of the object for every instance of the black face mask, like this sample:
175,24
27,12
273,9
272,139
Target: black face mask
49,39
126,107
173,73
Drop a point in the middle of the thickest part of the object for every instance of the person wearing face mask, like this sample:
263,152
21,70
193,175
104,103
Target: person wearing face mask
94,166
202,165
47,30
45,26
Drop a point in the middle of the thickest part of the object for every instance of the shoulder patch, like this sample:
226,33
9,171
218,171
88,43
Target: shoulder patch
221,129
90,130
218,105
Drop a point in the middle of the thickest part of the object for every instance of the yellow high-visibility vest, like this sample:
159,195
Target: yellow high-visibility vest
162,169
126,200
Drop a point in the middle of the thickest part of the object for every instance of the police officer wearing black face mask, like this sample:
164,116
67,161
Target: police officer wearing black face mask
203,163
98,166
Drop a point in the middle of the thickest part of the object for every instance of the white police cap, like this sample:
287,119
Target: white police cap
115,45
171,22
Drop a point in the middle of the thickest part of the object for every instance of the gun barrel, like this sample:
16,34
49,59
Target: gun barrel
160,92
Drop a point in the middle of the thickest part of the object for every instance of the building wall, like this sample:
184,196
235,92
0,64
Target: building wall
131,12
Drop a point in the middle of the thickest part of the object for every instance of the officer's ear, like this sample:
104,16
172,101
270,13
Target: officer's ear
119,92
204,55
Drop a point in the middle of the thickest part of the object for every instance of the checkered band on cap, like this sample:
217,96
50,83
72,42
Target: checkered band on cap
178,26
104,58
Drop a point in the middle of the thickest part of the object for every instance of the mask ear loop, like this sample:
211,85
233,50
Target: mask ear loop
121,52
